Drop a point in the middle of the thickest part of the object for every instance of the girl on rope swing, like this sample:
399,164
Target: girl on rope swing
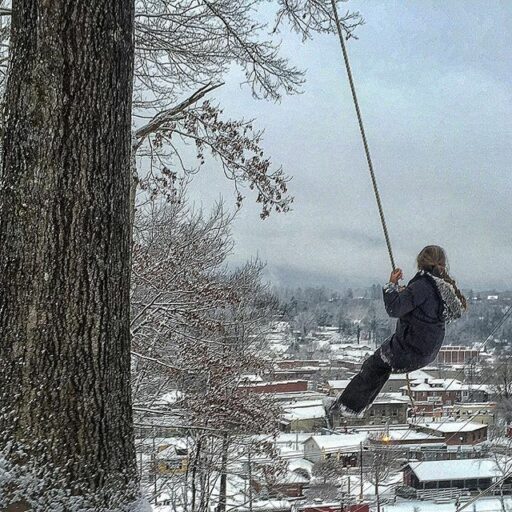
423,307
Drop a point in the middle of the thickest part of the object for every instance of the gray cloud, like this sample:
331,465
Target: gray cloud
435,86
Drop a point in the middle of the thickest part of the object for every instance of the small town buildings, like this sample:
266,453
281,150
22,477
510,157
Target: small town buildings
289,444
397,381
344,447
311,369
406,437
306,372
172,459
335,387
387,409
293,364
455,432
250,378
434,391
405,442
290,485
457,354
350,353
476,412
476,392
303,416
285,386
470,474
297,396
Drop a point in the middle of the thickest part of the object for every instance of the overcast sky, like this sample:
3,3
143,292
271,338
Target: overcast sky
435,86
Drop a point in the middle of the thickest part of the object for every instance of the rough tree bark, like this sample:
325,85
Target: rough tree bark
65,419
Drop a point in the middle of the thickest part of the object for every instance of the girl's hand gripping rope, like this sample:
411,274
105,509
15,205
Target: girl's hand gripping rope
396,275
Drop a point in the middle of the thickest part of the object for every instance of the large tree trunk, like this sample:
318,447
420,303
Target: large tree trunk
65,256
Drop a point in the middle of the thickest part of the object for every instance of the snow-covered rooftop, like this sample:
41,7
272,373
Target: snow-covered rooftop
170,453
436,385
292,404
298,395
301,464
338,384
410,435
415,375
338,441
304,413
477,387
279,348
461,469
251,378
391,398
448,427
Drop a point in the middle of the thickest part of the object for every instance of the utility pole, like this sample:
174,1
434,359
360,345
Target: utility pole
155,471
361,470
342,502
376,462
249,475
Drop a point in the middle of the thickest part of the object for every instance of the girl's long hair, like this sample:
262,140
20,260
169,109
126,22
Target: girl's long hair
432,258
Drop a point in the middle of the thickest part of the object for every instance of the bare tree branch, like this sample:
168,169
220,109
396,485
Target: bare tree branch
168,115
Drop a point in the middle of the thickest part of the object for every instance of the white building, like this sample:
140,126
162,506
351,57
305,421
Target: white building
339,446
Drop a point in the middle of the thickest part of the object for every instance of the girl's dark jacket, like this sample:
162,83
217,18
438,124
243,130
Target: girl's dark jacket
422,307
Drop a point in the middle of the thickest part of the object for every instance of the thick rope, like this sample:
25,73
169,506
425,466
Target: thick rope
363,134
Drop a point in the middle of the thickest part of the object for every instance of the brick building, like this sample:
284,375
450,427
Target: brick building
455,432
434,391
285,386
290,485
469,474
457,354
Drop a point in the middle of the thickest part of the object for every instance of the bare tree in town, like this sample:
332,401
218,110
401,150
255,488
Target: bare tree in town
499,376
198,330
327,479
379,462
501,451
304,323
